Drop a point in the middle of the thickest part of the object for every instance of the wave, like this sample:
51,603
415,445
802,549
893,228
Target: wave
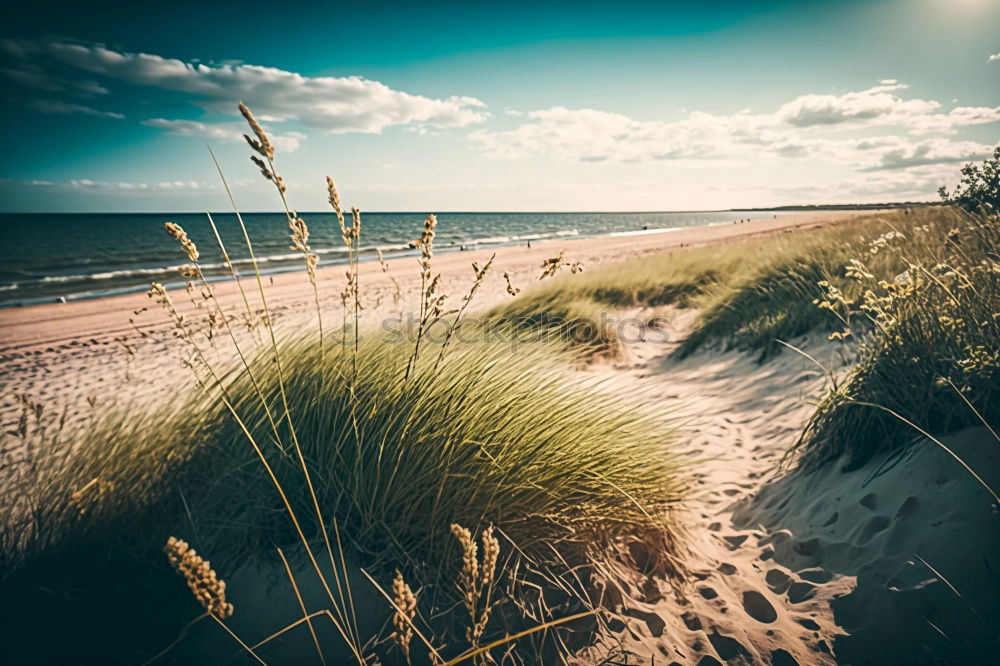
270,259
80,286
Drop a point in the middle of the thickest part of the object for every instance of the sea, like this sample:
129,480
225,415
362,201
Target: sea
63,257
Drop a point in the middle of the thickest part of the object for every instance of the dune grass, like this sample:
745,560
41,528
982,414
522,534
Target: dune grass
488,437
916,288
580,325
748,292
373,451
931,354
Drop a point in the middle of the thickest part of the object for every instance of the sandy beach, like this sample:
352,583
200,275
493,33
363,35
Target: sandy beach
783,566
50,353
629,334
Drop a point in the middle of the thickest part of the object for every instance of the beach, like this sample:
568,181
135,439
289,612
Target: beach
775,562
660,334
51,352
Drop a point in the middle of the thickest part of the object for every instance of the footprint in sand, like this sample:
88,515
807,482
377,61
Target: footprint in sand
758,607
708,592
777,580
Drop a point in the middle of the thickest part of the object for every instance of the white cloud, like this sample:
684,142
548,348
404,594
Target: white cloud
286,142
335,104
994,58
590,135
876,105
87,184
896,153
800,128
64,108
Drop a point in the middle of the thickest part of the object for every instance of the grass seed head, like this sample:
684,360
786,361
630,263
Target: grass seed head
263,144
201,579
175,231
406,611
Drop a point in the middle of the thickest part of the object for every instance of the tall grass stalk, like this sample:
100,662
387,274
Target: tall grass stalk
395,442
291,427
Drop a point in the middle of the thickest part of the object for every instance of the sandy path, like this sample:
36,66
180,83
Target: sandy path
739,606
789,567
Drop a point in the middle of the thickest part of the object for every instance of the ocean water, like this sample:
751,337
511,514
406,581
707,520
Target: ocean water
52,257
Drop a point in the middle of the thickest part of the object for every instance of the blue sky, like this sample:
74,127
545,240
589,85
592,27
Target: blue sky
511,106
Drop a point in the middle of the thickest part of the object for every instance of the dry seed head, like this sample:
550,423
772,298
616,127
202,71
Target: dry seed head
427,238
406,611
201,579
491,553
356,223
255,144
264,170
334,198
175,231
264,147
552,265
470,563
159,293
300,233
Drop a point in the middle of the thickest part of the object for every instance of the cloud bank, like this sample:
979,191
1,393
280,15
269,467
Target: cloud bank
326,103
809,126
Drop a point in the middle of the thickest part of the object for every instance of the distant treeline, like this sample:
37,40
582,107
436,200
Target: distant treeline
868,206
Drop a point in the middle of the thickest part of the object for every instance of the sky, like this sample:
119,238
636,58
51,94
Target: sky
495,106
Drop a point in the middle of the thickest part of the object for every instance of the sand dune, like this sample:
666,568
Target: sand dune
786,566
809,568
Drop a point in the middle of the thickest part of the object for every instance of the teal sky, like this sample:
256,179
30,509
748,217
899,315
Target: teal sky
512,106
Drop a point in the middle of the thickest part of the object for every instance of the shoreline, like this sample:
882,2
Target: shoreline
53,323
74,283
79,355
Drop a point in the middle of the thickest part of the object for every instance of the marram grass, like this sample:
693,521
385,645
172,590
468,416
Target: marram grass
930,349
917,288
564,469
488,435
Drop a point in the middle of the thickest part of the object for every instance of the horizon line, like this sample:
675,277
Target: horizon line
784,207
